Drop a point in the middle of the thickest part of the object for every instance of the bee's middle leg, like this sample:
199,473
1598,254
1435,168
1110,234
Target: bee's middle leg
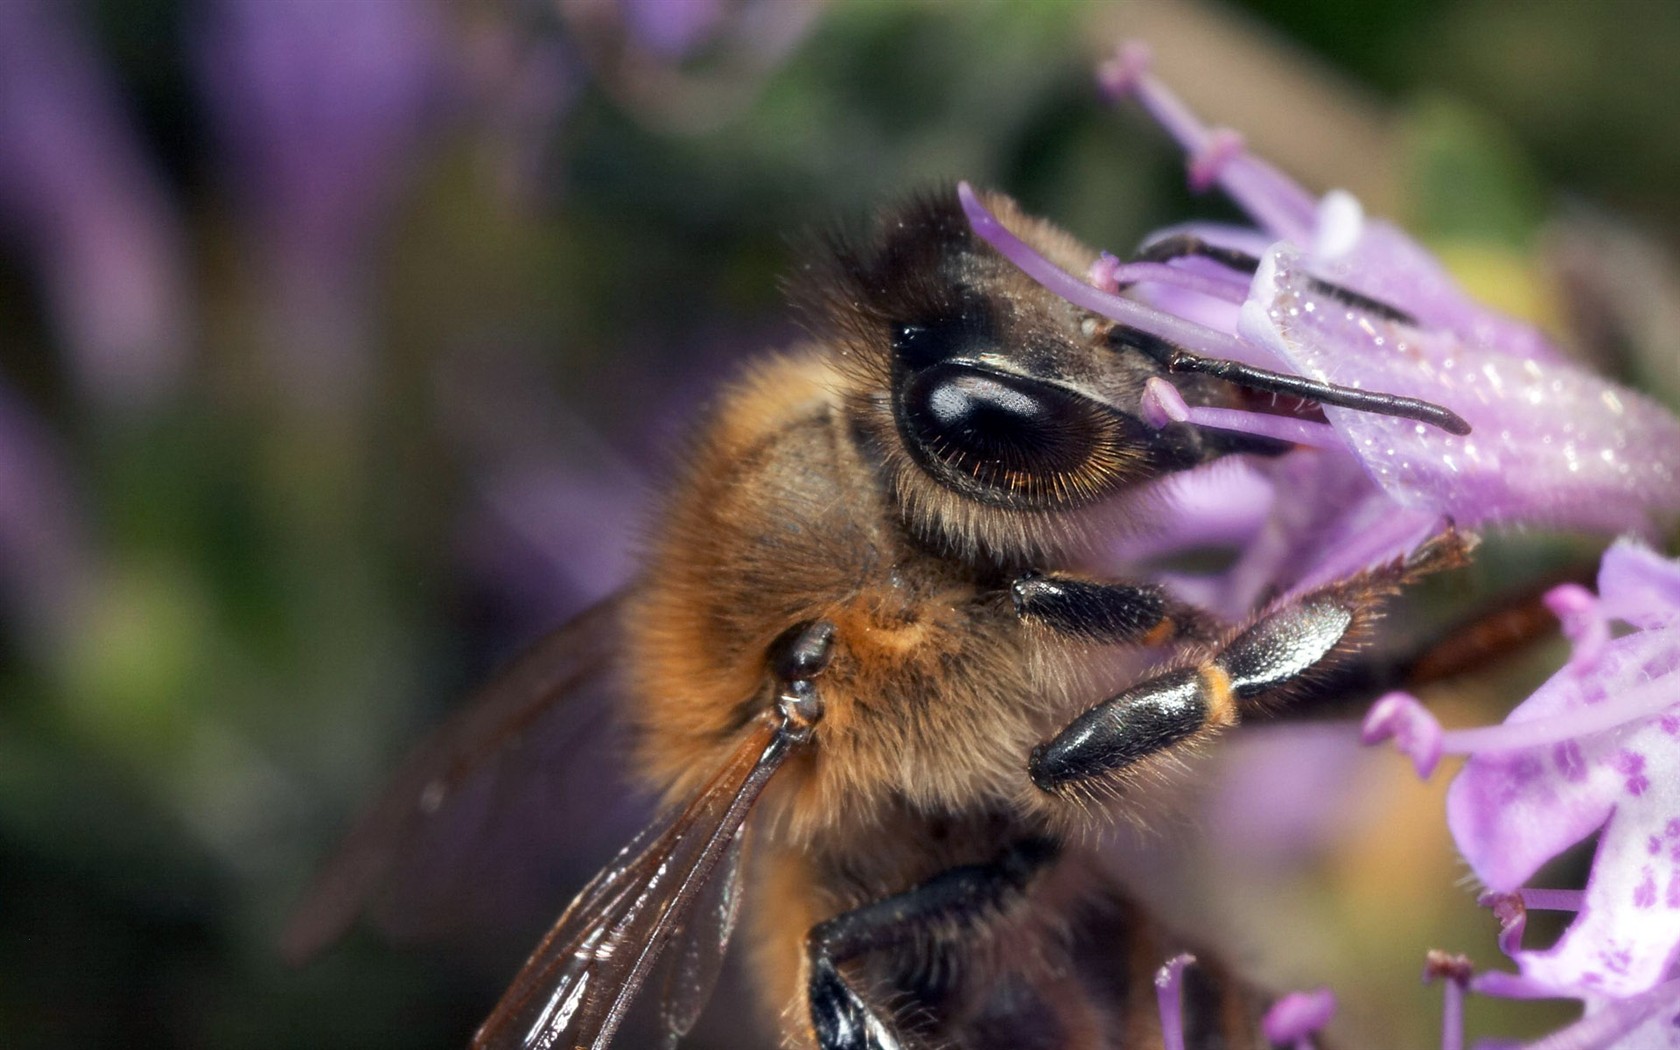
954,900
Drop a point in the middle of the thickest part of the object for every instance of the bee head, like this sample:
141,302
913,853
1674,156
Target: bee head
998,414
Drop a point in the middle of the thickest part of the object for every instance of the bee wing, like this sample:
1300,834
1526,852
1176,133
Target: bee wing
575,988
693,967
452,811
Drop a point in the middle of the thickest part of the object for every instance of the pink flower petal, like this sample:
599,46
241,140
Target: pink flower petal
1550,442
1399,716
1512,810
1639,586
1645,1022
1298,1015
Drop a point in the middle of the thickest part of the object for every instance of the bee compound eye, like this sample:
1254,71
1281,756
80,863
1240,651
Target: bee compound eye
1005,432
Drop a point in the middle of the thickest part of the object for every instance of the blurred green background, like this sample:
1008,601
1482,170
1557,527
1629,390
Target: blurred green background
340,344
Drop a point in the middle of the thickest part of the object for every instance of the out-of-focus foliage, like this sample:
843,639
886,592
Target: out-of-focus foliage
340,344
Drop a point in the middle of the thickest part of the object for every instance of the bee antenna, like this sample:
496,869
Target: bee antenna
1182,245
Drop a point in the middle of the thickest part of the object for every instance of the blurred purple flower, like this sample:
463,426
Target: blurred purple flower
48,572
321,108
672,29
1295,1017
78,193
1340,300
1312,785
519,86
685,65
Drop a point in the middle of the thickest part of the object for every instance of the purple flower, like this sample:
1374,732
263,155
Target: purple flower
321,108
49,572
519,87
1649,1021
1475,419
79,194
1595,749
685,64
672,29
1293,1019
1435,411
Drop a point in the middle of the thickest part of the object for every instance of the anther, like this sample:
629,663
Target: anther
1209,162
1448,966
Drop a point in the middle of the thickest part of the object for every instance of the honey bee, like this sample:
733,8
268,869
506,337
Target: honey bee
860,644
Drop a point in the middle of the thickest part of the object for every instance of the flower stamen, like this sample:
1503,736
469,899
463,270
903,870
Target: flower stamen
1454,971
1124,275
1512,912
1419,736
1128,312
1162,404
1217,157
1583,622
1169,999
1293,1019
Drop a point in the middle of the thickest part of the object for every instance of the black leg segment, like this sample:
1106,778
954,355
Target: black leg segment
1162,711
1118,732
1282,647
951,902
1096,611
841,1020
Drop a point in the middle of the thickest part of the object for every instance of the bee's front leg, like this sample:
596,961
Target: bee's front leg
1101,611
1289,646
954,900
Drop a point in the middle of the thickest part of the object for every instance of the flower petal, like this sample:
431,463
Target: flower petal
1298,1015
1511,811
1551,442
1639,586
1387,265
1414,730
1645,1022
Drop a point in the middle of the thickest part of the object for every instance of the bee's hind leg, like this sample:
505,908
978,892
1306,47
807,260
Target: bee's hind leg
950,902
